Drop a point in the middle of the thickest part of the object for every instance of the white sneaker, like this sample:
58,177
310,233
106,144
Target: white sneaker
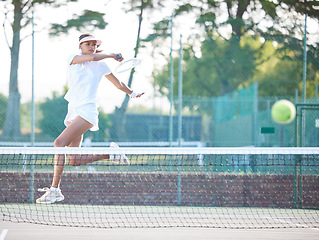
119,157
50,196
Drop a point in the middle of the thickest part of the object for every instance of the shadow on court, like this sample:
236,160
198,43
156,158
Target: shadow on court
27,231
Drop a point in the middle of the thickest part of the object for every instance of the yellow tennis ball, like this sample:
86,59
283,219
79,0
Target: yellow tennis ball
283,111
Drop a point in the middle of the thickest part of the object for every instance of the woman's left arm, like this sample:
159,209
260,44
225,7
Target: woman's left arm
122,86
95,57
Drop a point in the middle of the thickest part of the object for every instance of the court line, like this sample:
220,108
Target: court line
296,224
3,234
177,229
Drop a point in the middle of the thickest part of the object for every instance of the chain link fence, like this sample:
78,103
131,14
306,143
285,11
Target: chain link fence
229,87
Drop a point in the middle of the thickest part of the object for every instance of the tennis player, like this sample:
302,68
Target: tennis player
85,71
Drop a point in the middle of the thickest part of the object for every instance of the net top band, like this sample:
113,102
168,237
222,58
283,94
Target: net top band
162,150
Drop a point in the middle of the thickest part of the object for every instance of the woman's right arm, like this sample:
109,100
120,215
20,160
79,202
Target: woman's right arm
95,57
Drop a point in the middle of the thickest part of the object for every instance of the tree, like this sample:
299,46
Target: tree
18,15
119,117
249,15
220,69
241,17
226,62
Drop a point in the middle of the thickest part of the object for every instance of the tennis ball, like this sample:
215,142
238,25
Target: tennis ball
283,111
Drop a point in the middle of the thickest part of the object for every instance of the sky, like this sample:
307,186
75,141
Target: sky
118,36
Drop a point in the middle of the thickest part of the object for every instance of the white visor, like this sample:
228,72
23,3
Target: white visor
90,38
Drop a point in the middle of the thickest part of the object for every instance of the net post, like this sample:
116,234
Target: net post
170,131
295,185
180,93
180,86
32,180
304,72
179,181
298,122
32,118
255,116
170,124
298,182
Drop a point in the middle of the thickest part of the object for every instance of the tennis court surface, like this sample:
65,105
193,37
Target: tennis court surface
174,193
27,231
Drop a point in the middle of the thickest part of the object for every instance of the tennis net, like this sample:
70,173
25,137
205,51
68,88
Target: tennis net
165,187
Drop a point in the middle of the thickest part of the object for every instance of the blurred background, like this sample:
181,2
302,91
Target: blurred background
233,60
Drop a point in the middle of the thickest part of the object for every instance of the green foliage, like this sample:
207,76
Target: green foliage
277,76
241,15
161,30
186,8
42,1
89,20
104,126
53,110
143,4
271,54
281,71
269,8
304,7
222,67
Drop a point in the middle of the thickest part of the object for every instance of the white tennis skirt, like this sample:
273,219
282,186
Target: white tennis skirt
88,112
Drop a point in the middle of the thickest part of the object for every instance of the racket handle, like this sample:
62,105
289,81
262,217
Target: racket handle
118,56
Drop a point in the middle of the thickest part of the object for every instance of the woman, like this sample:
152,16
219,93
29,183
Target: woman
85,72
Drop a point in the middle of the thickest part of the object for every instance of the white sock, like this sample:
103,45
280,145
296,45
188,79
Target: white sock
53,189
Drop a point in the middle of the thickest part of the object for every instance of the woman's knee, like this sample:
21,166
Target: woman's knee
73,161
59,143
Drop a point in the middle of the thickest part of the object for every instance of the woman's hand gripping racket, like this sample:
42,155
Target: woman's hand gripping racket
126,65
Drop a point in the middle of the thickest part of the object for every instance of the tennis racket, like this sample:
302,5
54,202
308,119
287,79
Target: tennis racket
127,65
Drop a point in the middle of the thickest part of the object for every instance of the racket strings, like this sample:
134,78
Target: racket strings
127,65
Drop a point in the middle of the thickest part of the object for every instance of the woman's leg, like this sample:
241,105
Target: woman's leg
72,136
83,159
72,133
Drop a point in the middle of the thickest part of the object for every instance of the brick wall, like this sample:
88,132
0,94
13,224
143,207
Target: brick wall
226,190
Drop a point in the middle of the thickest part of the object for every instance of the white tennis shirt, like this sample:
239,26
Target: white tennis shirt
83,81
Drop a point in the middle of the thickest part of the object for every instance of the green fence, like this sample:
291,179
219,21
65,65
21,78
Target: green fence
233,120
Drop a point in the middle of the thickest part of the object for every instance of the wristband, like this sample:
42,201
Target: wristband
133,95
